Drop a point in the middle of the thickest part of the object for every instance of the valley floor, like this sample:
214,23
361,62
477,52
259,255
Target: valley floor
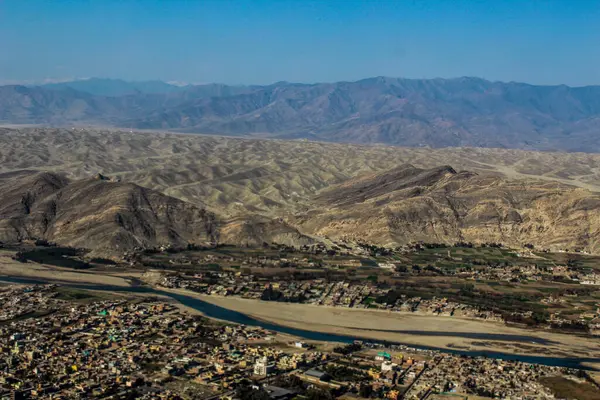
408,328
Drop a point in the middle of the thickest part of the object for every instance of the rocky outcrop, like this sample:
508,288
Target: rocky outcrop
255,230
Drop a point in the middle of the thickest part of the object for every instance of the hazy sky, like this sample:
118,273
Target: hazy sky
256,42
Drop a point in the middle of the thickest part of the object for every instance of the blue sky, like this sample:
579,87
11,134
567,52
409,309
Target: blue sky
258,42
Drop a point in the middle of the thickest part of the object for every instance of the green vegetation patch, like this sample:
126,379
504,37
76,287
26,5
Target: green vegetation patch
58,256
80,295
564,388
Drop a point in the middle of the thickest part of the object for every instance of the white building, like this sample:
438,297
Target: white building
262,367
387,366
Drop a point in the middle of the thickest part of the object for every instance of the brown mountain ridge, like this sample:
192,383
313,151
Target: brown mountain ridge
395,207
111,217
409,204
98,214
247,192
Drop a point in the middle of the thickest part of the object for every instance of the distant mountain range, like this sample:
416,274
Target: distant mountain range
408,112
116,87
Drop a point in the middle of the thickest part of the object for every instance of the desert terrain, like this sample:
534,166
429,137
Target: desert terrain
251,191
237,176
99,189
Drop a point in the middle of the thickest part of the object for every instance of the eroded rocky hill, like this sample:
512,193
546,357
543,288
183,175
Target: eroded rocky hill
247,192
98,214
112,217
442,205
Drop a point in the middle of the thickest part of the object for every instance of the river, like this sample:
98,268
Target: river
221,313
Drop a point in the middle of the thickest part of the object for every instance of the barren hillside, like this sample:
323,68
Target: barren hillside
237,176
441,205
273,189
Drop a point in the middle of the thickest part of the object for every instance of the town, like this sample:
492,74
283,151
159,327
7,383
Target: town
63,343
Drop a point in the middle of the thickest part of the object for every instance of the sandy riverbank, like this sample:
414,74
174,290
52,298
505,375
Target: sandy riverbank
9,267
420,330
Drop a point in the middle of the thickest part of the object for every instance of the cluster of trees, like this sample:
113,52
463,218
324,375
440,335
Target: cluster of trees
179,249
365,391
270,294
469,245
343,373
292,382
572,326
347,349
492,244
246,390
376,251
59,256
104,261
417,269
537,318
44,243
512,306
422,245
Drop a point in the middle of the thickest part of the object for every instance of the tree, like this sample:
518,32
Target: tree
401,268
365,391
318,394
246,392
